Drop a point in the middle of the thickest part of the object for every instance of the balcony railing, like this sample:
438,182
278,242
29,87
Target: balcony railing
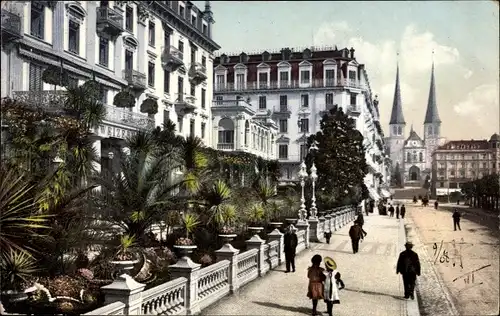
135,78
354,110
109,20
125,117
232,103
11,26
172,58
225,146
294,84
184,103
197,73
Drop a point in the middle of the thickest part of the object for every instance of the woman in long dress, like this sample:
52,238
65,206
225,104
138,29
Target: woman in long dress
316,277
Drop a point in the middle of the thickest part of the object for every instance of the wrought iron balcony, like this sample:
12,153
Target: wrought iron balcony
135,79
172,58
11,26
132,119
46,100
353,110
225,146
197,73
109,21
185,103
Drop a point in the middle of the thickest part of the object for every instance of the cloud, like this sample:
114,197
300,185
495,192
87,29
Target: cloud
483,99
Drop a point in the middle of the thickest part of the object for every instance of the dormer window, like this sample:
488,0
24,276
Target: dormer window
243,58
266,56
306,54
305,76
285,54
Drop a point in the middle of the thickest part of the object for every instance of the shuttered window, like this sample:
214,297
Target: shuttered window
35,78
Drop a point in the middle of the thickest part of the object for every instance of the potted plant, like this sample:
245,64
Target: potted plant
275,215
124,258
124,99
55,75
15,268
256,214
149,106
227,234
185,244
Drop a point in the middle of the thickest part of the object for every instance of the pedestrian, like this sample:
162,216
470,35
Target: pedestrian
397,211
456,220
333,284
356,233
436,204
361,222
385,209
403,211
415,199
290,245
391,210
316,277
328,235
409,267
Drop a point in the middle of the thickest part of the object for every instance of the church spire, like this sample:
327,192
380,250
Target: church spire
397,108
432,115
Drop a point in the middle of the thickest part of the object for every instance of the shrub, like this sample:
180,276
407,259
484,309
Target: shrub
183,241
206,260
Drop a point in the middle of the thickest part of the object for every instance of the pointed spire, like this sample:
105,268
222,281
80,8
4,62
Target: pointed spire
432,115
397,107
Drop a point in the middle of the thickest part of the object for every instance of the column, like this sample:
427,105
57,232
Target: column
141,50
255,242
190,270
58,25
277,235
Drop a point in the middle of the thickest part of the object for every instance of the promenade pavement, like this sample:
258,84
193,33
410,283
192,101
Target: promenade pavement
372,286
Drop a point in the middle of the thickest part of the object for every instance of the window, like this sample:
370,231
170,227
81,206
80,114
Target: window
305,76
180,88
151,74
181,11
304,125
408,157
329,99
204,61
219,81
193,20
329,77
400,130
226,137
203,98
485,165
166,81
263,79
193,54
193,90
353,99
103,96
129,60
151,34
283,100
303,152
304,98
283,126
191,128
262,102
219,99
35,78
129,19
166,116
181,46
420,157
204,29
352,75
37,21
103,52
74,37
283,151
203,126
240,81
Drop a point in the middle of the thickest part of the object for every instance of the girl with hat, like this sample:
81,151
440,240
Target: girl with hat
316,277
333,284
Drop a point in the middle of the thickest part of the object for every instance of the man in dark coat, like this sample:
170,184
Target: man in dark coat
391,210
456,220
356,233
290,243
397,211
436,204
361,222
409,267
403,211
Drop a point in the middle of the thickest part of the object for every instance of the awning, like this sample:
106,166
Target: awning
385,193
373,194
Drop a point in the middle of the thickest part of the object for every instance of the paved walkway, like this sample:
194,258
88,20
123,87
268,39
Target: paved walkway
372,286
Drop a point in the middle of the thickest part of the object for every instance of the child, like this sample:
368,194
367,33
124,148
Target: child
316,277
328,235
333,284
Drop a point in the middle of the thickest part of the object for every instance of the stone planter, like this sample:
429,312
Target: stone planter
122,266
275,224
255,230
291,220
227,238
185,250
12,297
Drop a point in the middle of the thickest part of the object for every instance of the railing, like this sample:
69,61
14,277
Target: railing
213,283
116,308
11,23
185,98
282,109
272,254
197,68
125,117
301,241
165,299
353,108
172,51
111,16
49,100
222,146
293,84
135,78
247,266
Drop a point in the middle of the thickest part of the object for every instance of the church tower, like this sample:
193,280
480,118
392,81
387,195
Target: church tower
432,124
397,126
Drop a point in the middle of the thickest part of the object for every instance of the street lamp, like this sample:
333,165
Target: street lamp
302,177
314,177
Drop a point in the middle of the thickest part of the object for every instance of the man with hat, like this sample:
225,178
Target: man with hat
333,284
356,233
290,245
409,267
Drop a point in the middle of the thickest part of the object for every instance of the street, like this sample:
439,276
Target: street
466,261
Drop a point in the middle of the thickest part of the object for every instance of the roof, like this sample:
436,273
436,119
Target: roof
465,145
397,107
495,138
413,136
431,114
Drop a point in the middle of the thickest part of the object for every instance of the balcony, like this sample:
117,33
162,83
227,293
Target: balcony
184,104
11,26
51,101
135,79
282,111
109,21
353,110
284,85
132,119
225,146
238,105
172,58
197,73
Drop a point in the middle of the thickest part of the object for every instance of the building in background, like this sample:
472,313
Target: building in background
159,49
461,161
294,87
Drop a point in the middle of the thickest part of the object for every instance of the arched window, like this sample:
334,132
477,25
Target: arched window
415,157
400,130
420,157
408,157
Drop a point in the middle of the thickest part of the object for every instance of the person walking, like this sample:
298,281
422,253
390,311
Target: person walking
361,222
290,245
436,204
328,235
356,233
397,211
403,211
316,277
409,267
456,220
391,210
333,284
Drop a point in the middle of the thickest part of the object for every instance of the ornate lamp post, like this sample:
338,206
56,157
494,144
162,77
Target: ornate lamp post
302,177
314,177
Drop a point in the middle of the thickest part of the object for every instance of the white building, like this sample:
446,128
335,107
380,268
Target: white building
160,49
295,87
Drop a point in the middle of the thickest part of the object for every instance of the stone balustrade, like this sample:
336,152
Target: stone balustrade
193,289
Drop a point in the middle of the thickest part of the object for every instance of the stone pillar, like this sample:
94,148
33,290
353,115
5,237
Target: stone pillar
126,290
228,252
314,229
304,226
255,242
322,225
190,270
58,25
277,235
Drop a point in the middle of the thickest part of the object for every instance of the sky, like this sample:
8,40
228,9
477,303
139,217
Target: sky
464,36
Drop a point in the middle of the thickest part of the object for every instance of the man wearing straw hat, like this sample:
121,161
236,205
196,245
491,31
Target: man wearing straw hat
409,267
333,284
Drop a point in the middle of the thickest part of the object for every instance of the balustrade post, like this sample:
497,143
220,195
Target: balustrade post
314,229
322,225
278,236
126,290
305,226
255,242
190,270
228,252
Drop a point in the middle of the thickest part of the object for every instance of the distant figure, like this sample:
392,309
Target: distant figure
391,210
456,220
328,235
415,199
361,222
316,277
356,233
397,211
403,211
409,267
333,284
458,202
436,204
290,245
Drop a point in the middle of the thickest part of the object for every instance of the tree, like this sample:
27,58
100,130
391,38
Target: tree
340,158
396,176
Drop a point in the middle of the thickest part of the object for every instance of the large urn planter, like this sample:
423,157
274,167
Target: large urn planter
227,238
124,266
185,250
13,297
255,229
291,220
275,224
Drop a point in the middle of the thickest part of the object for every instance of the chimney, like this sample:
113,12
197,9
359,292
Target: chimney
352,50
